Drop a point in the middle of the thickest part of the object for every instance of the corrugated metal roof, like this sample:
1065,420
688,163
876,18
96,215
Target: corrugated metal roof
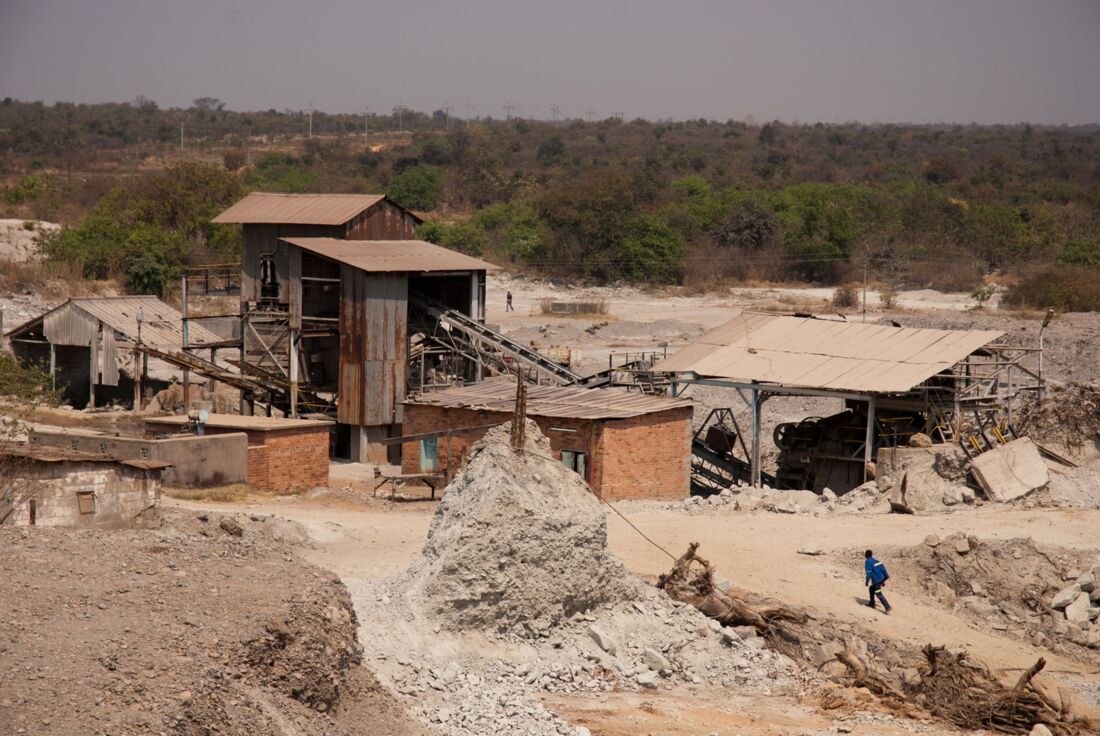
298,209
550,401
813,353
162,326
391,255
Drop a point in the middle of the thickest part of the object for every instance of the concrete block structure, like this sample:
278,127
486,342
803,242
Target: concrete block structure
282,454
194,462
54,487
626,445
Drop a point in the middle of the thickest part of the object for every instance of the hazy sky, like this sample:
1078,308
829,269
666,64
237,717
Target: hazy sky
812,60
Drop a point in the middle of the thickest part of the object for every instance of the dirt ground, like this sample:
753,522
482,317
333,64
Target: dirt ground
759,553
203,626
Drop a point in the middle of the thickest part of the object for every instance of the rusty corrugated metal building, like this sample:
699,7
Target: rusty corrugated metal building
328,285
87,343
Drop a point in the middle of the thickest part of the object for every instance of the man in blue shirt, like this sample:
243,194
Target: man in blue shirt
876,577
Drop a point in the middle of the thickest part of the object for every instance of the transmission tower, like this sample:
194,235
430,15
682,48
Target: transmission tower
588,113
554,111
446,114
509,106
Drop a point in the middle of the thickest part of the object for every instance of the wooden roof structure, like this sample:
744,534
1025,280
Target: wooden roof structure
811,353
300,209
569,402
391,256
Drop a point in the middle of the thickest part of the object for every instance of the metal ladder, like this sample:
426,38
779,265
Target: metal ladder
482,340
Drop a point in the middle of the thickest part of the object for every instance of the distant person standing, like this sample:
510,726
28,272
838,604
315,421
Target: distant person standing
876,576
508,303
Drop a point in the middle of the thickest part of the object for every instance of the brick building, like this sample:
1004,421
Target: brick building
626,445
283,454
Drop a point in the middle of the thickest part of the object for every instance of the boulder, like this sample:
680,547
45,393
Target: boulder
920,439
962,545
978,605
648,679
655,661
603,641
1079,610
1065,596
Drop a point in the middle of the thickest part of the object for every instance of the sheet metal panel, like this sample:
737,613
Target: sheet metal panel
299,209
69,325
551,401
814,353
162,326
393,256
373,350
108,360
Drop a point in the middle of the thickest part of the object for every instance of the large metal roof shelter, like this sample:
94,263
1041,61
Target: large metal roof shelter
299,209
761,355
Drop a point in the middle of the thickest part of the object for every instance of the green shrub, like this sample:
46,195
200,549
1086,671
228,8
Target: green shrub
25,383
416,187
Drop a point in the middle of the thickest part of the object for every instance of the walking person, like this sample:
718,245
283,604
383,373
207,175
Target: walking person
876,577
508,303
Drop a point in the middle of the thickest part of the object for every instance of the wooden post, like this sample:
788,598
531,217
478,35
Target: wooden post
293,358
137,379
93,369
519,417
245,398
53,367
186,372
869,440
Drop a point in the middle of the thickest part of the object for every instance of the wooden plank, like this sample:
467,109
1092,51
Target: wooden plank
294,287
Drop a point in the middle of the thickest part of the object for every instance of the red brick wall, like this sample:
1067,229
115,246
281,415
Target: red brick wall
290,460
644,457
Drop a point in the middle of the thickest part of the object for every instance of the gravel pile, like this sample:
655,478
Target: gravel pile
515,596
518,544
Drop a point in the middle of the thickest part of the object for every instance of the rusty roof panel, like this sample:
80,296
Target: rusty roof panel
61,455
162,326
551,401
298,209
805,352
378,256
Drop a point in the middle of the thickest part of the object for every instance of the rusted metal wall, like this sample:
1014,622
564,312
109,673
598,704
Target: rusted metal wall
373,350
260,239
383,221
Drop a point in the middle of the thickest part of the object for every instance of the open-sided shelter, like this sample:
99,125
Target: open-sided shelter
894,381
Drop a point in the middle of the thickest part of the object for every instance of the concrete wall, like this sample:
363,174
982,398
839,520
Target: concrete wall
197,462
648,456
290,459
123,497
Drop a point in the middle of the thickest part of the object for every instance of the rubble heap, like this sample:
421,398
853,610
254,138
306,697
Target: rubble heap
1068,418
1013,586
518,544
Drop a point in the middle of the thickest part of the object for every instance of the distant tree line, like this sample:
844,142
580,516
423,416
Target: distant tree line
693,202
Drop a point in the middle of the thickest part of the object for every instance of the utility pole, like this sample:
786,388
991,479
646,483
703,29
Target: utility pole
469,109
310,111
509,106
366,125
554,111
588,113
619,115
182,118
400,110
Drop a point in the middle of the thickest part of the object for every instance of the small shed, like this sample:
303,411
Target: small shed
86,343
49,486
626,445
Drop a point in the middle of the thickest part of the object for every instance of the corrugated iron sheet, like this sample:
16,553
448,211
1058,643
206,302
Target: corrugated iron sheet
813,353
76,322
162,326
298,209
373,362
108,360
551,401
62,455
380,256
